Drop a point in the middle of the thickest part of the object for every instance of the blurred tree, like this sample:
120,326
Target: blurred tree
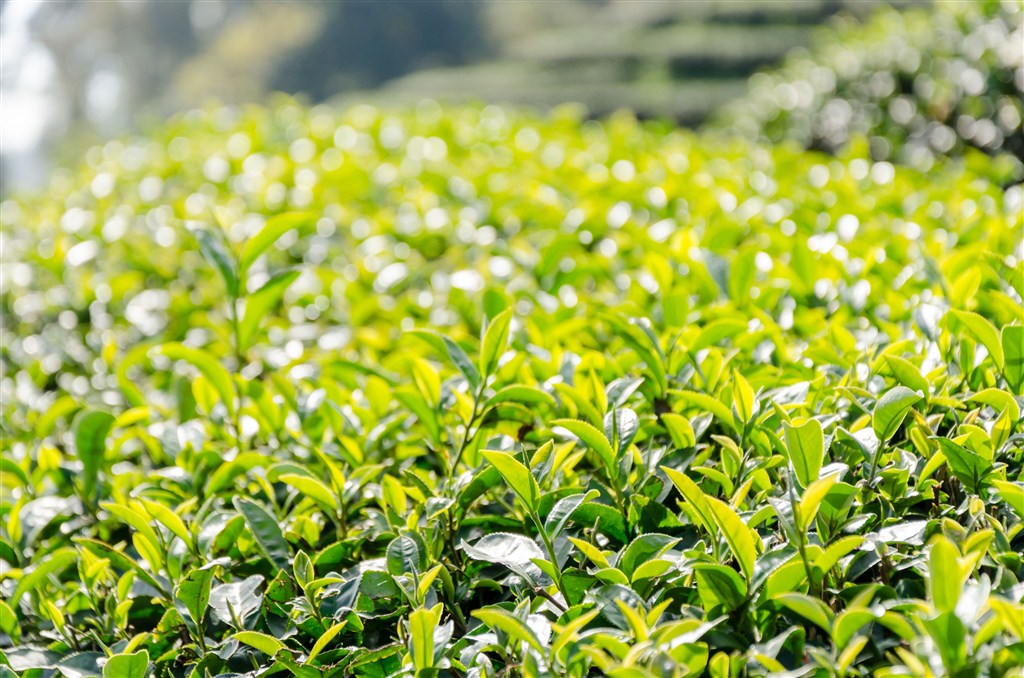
363,44
239,58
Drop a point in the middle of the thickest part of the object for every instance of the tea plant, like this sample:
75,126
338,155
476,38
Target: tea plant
470,392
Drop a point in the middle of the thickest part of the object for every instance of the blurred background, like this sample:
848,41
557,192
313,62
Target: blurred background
73,72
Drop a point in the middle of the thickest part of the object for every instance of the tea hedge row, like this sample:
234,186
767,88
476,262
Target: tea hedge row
475,393
918,85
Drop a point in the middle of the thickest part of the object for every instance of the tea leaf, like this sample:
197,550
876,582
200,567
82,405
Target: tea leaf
520,394
811,609
806,447
983,331
891,410
259,305
130,665
194,592
214,250
563,511
208,366
275,227
694,497
1012,342
1012,494
260,641
946,574
518,477
91,428
494,341
403,556
266,531
968,467
499,619
741,539
421,636
592,438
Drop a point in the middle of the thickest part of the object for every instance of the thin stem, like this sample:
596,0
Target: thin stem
551,599
201,636
453,524
456,558
551,552
236,340
801,541
620,501
466,436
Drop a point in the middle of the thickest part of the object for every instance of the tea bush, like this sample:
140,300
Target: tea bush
919,84
471,392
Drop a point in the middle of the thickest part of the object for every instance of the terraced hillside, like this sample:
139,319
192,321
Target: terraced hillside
676,60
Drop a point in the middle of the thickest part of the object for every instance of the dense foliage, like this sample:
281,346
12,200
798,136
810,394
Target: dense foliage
919,84
474,393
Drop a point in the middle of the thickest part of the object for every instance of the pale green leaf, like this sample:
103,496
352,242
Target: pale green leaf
806,447
945,574
518,477
494,342
268,645
592,438
743,542
260,304
203,361
134,665
891,409
275,227
514,627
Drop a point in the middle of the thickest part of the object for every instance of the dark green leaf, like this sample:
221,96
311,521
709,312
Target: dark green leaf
969,468
194,592
1012,341
403,556
267,532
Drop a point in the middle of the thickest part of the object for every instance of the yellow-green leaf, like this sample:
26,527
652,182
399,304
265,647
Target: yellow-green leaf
268,645
168,519
494,342
890,411
811,609
272,230
812,497
324,640
679,429
518,477
312,488
1012,494
806,447
945,574
208,366
592,438
422,623
982,331
694,496
514,627
741,539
